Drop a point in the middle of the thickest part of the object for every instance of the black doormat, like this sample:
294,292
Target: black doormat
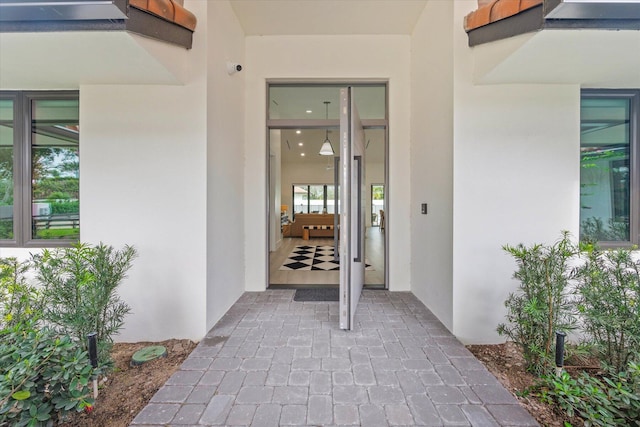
317,294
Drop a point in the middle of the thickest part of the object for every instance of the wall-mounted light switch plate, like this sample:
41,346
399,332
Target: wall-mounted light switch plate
424,208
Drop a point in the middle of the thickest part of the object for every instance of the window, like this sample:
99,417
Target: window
39,168
295,101
318,198
609,167
377,203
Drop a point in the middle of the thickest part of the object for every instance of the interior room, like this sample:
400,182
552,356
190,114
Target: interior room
304,149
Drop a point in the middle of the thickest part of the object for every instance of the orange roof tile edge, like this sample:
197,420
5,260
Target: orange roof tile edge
169,10
496,10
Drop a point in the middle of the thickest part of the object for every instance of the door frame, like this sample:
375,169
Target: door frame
272,124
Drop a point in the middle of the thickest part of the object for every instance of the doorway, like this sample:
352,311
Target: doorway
302,190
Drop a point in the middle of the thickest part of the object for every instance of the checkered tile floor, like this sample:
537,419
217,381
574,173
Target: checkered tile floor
310,258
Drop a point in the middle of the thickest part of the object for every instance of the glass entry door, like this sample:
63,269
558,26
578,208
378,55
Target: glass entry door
301,117
352,213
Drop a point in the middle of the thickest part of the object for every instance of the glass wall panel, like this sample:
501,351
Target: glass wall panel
6,169
605,173
308,102
300,199
55,169
377,203
316,198
331,199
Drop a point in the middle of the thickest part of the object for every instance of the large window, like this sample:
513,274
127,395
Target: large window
318,198
39,168
610,163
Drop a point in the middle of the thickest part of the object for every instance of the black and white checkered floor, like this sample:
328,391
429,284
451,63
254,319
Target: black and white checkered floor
309,258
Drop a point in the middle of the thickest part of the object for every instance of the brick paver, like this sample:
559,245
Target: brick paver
271,361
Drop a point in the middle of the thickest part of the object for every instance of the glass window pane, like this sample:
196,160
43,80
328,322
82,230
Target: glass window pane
55,169
308,102
377,203
300,199
6,169
316,198
605,169
331,199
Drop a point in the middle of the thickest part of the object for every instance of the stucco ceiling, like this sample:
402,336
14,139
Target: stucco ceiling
327,17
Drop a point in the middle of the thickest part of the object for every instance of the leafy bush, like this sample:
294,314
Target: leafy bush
44,375
79,284
593,230
541,305
6,228
18,300
59,233
613,400
56,195
609,304
65,206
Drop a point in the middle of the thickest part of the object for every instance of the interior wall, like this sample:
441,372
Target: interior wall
516,180
225,159
313,58
432,159
143,182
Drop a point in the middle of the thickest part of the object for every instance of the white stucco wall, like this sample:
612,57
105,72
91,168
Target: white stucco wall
317,58
143,171
432,159
225,159
516,179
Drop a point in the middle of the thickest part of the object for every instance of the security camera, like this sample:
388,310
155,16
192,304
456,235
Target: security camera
233,68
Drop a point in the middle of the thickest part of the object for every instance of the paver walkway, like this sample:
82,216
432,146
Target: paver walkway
271,361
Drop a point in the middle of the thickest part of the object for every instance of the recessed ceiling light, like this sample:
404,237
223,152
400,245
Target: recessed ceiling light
298,131
309,111
301,154
300,144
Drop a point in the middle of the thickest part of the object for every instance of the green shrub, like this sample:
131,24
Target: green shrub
6,228
19,301
44,375
613,400
59,233
65,206
593,230
541,305
79,284
609,304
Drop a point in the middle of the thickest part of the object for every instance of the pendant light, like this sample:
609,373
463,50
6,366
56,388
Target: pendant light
326,149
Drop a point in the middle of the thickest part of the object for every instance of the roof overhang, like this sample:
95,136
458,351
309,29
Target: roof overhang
62,10
561,14
592,9
89,15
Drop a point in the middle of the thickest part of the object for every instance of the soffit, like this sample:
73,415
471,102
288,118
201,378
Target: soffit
327,17
112,57
590,58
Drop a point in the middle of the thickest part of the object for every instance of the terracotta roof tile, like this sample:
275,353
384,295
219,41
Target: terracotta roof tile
490,11
170,10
